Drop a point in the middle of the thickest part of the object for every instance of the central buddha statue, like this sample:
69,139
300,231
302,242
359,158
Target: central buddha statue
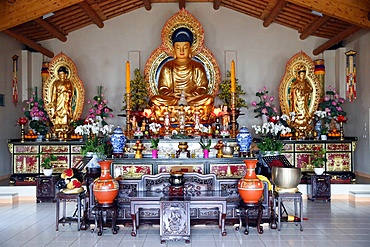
182,76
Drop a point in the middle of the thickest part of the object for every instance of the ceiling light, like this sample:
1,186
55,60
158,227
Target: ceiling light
317,13
47,15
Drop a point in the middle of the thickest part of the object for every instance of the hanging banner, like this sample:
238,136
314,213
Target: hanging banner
15,80
351,75
320,74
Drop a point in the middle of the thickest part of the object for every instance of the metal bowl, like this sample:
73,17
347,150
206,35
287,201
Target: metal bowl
228,150
286,177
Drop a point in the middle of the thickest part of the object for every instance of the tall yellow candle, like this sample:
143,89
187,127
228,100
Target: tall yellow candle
128,85
232,76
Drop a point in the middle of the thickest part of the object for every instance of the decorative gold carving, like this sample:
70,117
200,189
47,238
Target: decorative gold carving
310,88
77,96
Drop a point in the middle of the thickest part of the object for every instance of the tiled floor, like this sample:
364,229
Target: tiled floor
335,223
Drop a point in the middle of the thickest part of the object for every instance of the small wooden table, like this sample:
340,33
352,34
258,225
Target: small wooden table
80,198
100,219
244,210
280,198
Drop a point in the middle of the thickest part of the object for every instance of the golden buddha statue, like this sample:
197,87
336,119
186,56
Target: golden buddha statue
300,94
63,95
62,98
182,75
182,71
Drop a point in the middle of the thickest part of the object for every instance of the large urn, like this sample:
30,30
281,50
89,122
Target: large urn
105,188
118,141
250,187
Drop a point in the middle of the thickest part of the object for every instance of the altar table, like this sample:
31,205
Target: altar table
199,199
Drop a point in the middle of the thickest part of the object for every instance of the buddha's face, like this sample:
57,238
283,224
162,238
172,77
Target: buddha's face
62,75
182,50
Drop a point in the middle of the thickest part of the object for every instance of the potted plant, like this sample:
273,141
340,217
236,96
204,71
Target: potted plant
225,93
319,159
46,163
324,133
205,146
154,147
139,93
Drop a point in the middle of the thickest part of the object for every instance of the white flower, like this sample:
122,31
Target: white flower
94,127
320,114
154,127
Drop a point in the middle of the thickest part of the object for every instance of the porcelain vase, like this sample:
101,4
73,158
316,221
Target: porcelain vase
244,140
250,187
118,141
105,188
155,153
205,153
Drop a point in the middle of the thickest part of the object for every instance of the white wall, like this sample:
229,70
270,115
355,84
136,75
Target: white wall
262,53
9,114
358,111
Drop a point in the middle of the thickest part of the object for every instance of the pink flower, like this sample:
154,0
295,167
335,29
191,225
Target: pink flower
254,103
89,101
267,104
264,88
106,110
272,98
334,103
264,111
326,98
98,112
265,97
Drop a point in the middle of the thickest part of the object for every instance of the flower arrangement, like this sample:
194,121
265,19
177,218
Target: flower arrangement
36,114
97,134
332,105
318,157
99,107
320,115
265,106
139,94
271,132
204,145
154,142
155,127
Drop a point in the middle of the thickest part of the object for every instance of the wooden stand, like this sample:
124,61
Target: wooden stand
46,191
318,187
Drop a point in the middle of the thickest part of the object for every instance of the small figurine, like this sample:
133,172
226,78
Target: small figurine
220,144
138,147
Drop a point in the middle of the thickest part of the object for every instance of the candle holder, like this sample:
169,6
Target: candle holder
341,131
128,116
22,122
233,115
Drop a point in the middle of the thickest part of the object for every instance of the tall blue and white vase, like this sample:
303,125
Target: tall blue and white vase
118,141
244,140
318,129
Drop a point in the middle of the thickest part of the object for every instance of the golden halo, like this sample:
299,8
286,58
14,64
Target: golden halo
183,19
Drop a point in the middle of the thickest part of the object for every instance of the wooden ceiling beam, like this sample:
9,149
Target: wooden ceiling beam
216,4
341,36
274,13
147,4
30,43
314,26
91,13
182,4
351,11
27,10
53,31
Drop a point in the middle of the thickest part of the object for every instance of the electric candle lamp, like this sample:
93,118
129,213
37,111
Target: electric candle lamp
128,86
232,76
